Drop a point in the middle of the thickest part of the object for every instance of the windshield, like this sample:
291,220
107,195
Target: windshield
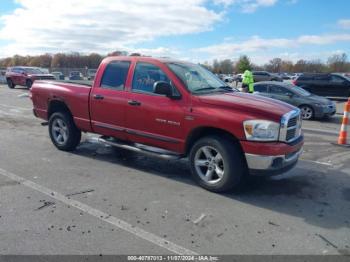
198,79
33,71
299,91
346,77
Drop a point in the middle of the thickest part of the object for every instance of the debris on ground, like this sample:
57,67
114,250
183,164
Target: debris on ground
199,219
80,192
46,204
273,224
124,208
326,240
23,95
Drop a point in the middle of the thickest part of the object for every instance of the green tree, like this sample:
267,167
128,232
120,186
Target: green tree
243,64
338,63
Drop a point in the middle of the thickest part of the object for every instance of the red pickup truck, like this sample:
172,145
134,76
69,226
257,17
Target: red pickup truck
173,109
25,76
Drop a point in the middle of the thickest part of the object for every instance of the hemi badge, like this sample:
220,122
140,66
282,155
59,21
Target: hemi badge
189,118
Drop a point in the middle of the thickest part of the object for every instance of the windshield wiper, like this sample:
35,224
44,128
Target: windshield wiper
204,89
216,89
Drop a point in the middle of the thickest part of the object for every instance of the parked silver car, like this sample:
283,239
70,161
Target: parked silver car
312,106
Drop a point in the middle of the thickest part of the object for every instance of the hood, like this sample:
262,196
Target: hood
254,106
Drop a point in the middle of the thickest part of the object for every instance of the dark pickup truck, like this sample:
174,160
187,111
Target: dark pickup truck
173,109
330,85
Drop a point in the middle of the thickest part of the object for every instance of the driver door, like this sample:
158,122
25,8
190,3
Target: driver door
153,119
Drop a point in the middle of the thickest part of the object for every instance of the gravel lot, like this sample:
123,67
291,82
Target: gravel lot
99,200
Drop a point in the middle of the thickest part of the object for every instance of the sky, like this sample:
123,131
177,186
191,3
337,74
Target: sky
194,30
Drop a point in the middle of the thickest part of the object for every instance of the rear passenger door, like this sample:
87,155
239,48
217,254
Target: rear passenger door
321,85
257,76
108,100
16,76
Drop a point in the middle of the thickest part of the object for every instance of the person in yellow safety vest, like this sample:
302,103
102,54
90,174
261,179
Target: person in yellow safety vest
248,81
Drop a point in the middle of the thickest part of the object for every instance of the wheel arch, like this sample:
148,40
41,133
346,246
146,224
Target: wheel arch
57,106
200,132
308,105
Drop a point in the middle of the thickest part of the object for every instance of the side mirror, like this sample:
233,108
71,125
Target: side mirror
163,88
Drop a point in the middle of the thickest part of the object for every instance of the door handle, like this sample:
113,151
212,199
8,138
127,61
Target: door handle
98,97
134,103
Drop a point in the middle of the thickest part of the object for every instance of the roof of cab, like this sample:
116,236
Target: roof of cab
145,59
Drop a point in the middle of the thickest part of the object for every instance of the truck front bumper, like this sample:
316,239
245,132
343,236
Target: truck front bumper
260,165
268,159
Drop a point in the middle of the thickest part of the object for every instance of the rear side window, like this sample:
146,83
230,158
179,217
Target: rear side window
274,89
115,75
260,88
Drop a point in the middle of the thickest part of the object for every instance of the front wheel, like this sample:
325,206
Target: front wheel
63,132
307,112
217,164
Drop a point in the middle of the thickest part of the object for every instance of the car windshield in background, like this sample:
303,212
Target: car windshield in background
33,71
300,91
346,77
198,79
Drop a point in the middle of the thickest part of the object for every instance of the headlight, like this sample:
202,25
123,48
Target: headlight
261,130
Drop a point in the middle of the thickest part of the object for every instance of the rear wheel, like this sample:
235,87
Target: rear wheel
217,164
63,132
29,83
307,112
10,84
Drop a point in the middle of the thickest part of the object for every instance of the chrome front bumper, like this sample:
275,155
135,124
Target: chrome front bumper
271,165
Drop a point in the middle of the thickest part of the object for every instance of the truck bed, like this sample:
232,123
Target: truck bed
74,94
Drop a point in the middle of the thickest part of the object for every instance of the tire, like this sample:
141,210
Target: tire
232,166
63,132
29,83
10,84
307,112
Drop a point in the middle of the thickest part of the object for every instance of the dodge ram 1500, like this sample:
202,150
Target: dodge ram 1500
173,109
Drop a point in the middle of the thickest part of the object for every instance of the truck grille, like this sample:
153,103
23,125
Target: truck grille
292,122
290,126
290,134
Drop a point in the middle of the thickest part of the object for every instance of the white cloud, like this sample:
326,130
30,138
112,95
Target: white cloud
256,43
247,6
344,23
101,26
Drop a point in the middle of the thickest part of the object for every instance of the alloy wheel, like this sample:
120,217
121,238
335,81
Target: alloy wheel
59,131
209,164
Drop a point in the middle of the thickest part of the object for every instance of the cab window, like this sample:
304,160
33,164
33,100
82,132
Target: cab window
115,75
145,76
